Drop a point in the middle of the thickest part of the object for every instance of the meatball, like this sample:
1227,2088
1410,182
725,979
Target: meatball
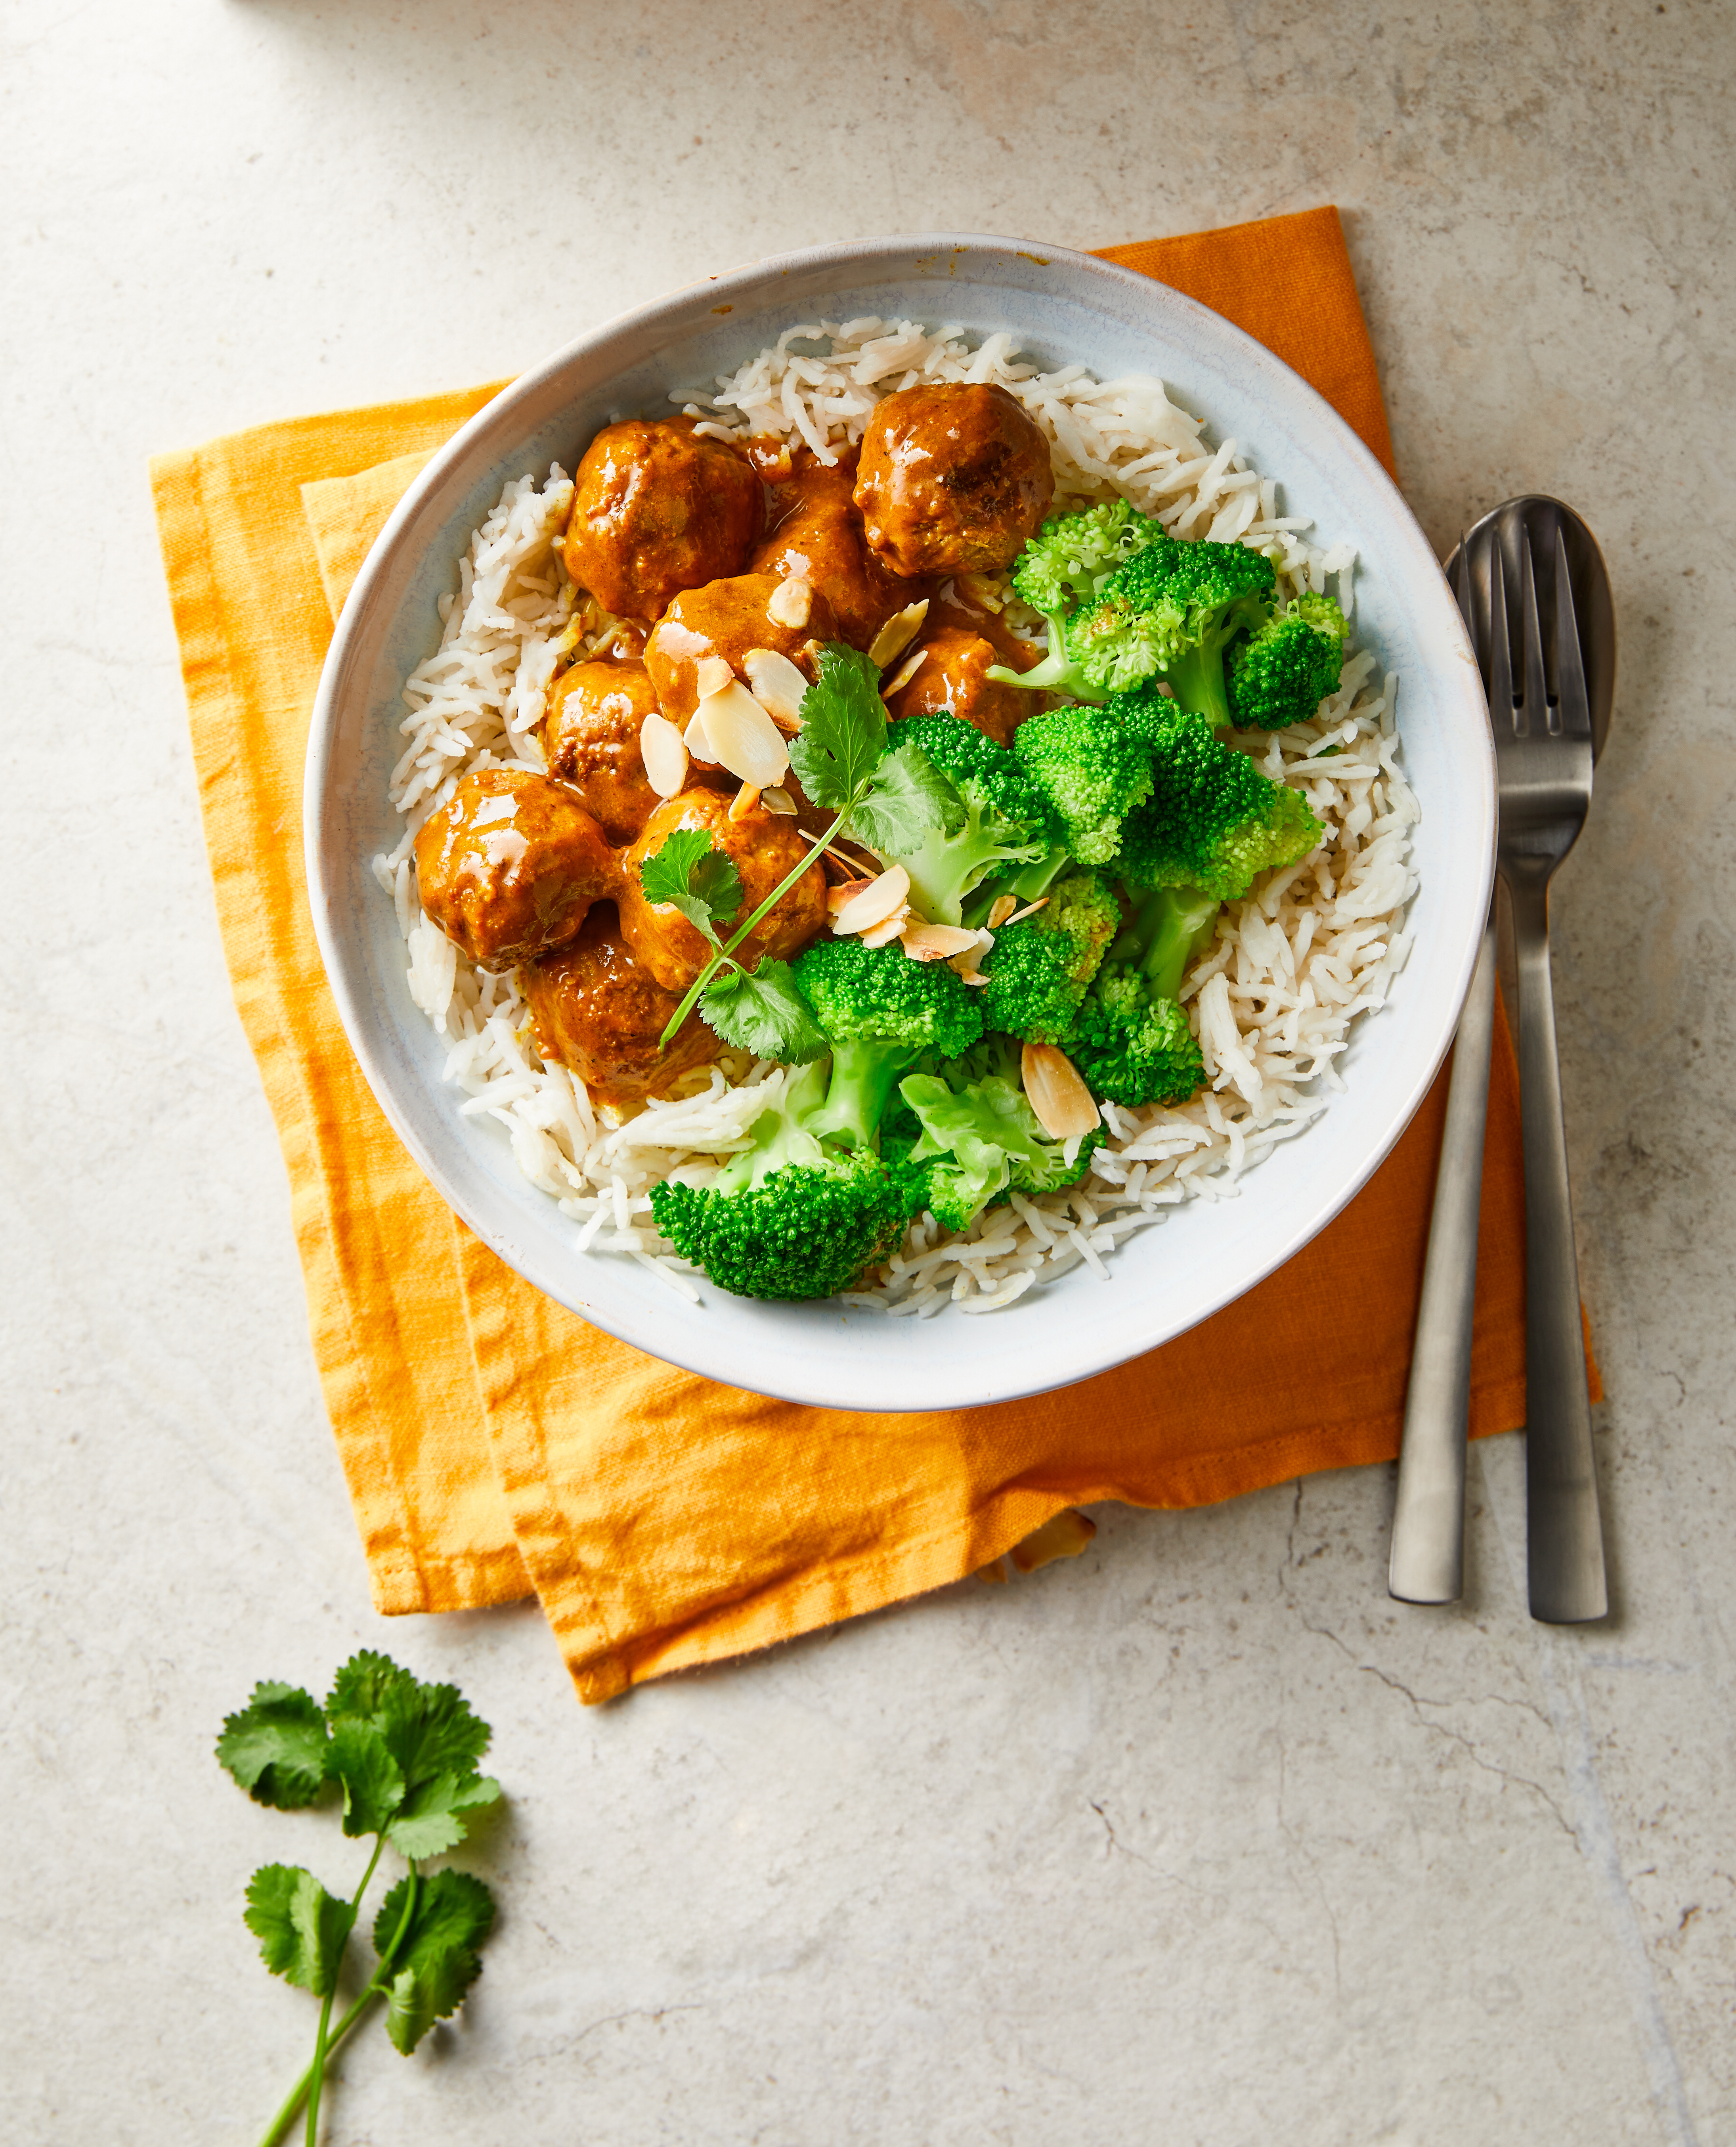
952,479
762,846
510,864
657,510
818,537
597,1011
949,680
957,647
591,735
726,619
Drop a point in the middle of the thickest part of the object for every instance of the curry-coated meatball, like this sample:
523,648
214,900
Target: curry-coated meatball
656,510
764,846
950,680
510,864
818,537
958,644
591,736
952,479
727,619
598,1012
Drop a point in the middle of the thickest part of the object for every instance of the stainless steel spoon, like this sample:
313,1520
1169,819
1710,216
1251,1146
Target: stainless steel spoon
1548,735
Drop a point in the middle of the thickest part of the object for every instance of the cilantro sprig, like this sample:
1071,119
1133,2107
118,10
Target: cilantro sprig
886,801
403,1757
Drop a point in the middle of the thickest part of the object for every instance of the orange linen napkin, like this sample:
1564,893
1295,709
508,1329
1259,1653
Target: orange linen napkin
492,1441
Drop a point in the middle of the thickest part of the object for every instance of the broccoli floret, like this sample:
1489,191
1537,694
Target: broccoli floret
1038,969
1281,674
1073,555
1093,769
1006,819
1212,820
1130,1040
968,1137
882,1012
1173,614
791,1216
1169,613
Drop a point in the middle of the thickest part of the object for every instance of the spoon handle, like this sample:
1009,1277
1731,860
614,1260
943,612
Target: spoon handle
1563,1528
1428,1521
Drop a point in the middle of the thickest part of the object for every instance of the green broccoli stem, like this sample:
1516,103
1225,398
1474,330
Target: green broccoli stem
1197,680
1056,674
1024,884
865,1070
1168,930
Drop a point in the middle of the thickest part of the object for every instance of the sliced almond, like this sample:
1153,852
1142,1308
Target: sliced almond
790,604
697,742
1059,1098
712,675
1002,908
665,755
907,671
778,686
778,801
1030,909
743,802
898,633
872,904
849,884
937,943
889,929
743,738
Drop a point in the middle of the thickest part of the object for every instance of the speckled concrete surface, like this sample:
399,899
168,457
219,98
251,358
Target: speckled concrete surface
1199,1839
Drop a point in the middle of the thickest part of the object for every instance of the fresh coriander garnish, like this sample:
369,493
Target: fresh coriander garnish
887,801
693,873
404,1755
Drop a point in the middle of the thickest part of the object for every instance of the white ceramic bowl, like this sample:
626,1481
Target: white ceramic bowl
1061,307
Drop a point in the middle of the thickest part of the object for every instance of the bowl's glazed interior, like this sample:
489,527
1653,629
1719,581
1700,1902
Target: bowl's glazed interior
1061,307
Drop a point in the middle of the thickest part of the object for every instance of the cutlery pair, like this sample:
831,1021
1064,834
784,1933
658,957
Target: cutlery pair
1550,712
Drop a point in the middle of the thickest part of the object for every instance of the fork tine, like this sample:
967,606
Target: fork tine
1536,693
1500,651
1569,660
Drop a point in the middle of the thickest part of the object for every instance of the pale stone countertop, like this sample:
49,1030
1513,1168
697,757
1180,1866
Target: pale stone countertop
1200,1839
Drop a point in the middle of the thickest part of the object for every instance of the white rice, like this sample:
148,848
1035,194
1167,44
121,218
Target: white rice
1271,999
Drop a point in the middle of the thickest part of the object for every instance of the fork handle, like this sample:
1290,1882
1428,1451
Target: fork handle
1429,1518
1563,1528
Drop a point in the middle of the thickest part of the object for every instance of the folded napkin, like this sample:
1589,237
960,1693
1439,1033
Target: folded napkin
493,1442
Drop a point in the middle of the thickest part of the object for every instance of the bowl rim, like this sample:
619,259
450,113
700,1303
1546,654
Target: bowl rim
668,318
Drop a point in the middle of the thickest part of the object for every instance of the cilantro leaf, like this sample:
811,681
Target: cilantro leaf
436,1962
364,1684
690,872
908,797
764,1012
275,1747
431,1820
844,729
430,1730
405,1755
300,1927
372,1782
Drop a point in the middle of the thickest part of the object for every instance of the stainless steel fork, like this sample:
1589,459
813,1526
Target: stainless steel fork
1542,717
